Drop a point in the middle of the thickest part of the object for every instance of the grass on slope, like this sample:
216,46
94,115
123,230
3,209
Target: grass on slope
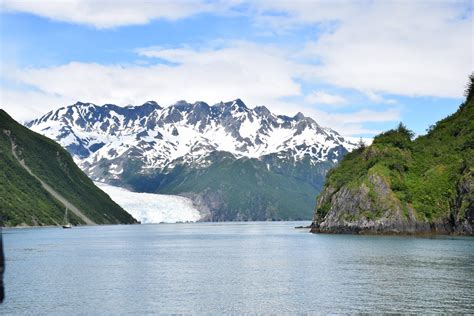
23,201
54,166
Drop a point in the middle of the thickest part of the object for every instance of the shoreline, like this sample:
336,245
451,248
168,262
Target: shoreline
60,226
163,223
392,233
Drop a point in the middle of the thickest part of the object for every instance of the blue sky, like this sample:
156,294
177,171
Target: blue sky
359,67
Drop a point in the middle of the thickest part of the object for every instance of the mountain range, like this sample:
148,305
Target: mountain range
234,162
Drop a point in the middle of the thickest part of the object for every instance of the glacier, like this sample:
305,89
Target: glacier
151,208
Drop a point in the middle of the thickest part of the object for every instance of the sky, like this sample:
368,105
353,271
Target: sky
359,67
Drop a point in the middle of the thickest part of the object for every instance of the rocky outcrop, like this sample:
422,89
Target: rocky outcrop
401,185
464,205
373,208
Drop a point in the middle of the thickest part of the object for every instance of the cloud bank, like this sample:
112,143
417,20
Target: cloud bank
375,48
105,14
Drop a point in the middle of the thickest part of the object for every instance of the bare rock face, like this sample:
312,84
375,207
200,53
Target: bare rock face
464,219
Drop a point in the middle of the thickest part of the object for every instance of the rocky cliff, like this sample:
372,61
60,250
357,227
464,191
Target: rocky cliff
403,186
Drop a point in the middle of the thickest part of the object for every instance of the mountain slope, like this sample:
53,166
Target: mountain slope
402,186
237,189
27,160
236,163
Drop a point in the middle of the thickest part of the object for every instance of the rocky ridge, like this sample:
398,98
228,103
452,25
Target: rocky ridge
235,162
182,134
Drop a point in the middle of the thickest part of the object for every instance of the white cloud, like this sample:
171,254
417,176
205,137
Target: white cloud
374,97
376,47
110,13
238,70
260,75
366,116
25,105
414,48
352,123
257,74
285,15
321,97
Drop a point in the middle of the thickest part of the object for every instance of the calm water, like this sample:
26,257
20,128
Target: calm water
232,268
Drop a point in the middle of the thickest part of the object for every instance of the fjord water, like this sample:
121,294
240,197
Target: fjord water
252,267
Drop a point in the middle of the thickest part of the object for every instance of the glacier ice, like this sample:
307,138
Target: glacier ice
152,208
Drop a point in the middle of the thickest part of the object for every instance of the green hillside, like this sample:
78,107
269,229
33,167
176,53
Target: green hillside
402,185
24,201
277,192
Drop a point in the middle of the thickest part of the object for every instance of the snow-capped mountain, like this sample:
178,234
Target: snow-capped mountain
184,132
136,146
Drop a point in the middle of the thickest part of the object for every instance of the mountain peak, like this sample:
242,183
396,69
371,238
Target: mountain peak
200,106
236,105
299,116
239,103
152,103
262,110
80,103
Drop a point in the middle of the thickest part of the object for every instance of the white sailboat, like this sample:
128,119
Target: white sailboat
66,222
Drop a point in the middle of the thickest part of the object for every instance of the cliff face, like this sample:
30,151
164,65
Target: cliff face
400,186
375,209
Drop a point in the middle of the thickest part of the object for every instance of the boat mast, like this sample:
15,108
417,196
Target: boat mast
65,217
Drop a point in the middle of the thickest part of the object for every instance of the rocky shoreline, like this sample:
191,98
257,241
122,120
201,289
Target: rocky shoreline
418,229
377,211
